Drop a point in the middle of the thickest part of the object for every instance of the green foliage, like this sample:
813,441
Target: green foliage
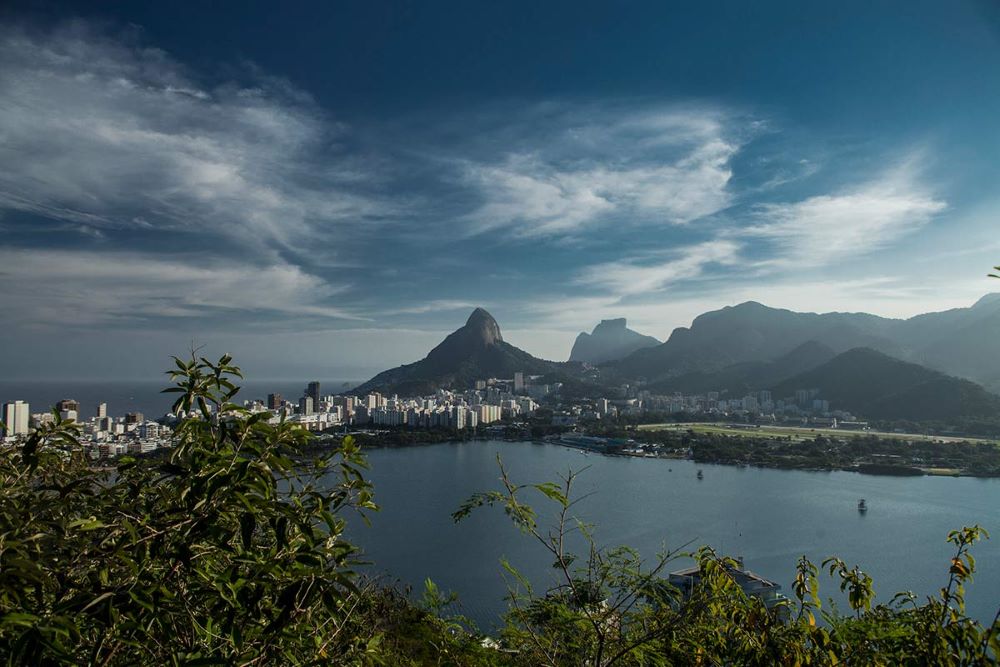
609,607
827,452
230,552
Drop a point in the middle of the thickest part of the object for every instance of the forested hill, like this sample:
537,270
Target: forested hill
878,386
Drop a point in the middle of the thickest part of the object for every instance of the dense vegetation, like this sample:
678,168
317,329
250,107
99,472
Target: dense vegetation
878,386
978,458
232,552
819,452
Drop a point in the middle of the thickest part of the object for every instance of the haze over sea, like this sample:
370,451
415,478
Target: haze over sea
770,517
140,396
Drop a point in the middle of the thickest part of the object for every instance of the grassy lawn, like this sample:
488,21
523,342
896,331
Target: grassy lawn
795,432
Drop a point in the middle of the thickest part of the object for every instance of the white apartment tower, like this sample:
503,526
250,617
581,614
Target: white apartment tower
15,418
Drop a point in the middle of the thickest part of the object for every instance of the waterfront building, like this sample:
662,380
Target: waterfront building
458,417
487,414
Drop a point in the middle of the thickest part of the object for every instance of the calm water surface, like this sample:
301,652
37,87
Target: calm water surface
771,517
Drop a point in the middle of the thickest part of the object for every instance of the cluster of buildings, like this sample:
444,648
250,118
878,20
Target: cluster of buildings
106,436
805,402
761,405
103,435
492,400
488,401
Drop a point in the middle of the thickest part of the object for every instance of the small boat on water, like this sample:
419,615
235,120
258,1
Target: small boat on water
701,475
862,506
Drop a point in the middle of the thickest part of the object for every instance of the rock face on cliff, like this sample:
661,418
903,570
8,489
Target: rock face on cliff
475,351
609,341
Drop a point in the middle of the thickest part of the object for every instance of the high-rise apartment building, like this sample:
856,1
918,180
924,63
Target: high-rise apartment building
102,410
312,391
16,416
374,400
274,401
68,409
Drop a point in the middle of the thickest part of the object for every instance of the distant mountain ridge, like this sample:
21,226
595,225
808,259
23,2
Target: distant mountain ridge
747,376
964,342
878,386
610,340
475,351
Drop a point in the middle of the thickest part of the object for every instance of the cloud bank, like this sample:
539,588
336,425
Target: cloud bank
596,167
108,134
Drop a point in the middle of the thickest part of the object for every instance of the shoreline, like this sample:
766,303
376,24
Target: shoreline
881,471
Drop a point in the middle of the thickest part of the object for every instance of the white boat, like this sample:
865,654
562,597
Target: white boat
862,506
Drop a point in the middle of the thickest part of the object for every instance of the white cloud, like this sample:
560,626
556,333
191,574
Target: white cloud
641,276
104,133
435,306
71,288
664,167
829,228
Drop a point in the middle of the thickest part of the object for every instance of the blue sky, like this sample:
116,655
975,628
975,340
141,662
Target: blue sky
327,189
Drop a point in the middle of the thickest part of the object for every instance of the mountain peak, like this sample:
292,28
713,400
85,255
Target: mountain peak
610,340
475,351
988,300
484,327
609,325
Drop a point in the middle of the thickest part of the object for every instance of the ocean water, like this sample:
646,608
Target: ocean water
770,517
144,397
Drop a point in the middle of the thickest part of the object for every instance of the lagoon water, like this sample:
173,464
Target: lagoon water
770,517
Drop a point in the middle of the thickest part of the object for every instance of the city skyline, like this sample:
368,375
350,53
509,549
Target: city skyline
328,191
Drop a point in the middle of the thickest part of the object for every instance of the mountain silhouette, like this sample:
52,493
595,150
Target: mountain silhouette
476,351
963,342
610,340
